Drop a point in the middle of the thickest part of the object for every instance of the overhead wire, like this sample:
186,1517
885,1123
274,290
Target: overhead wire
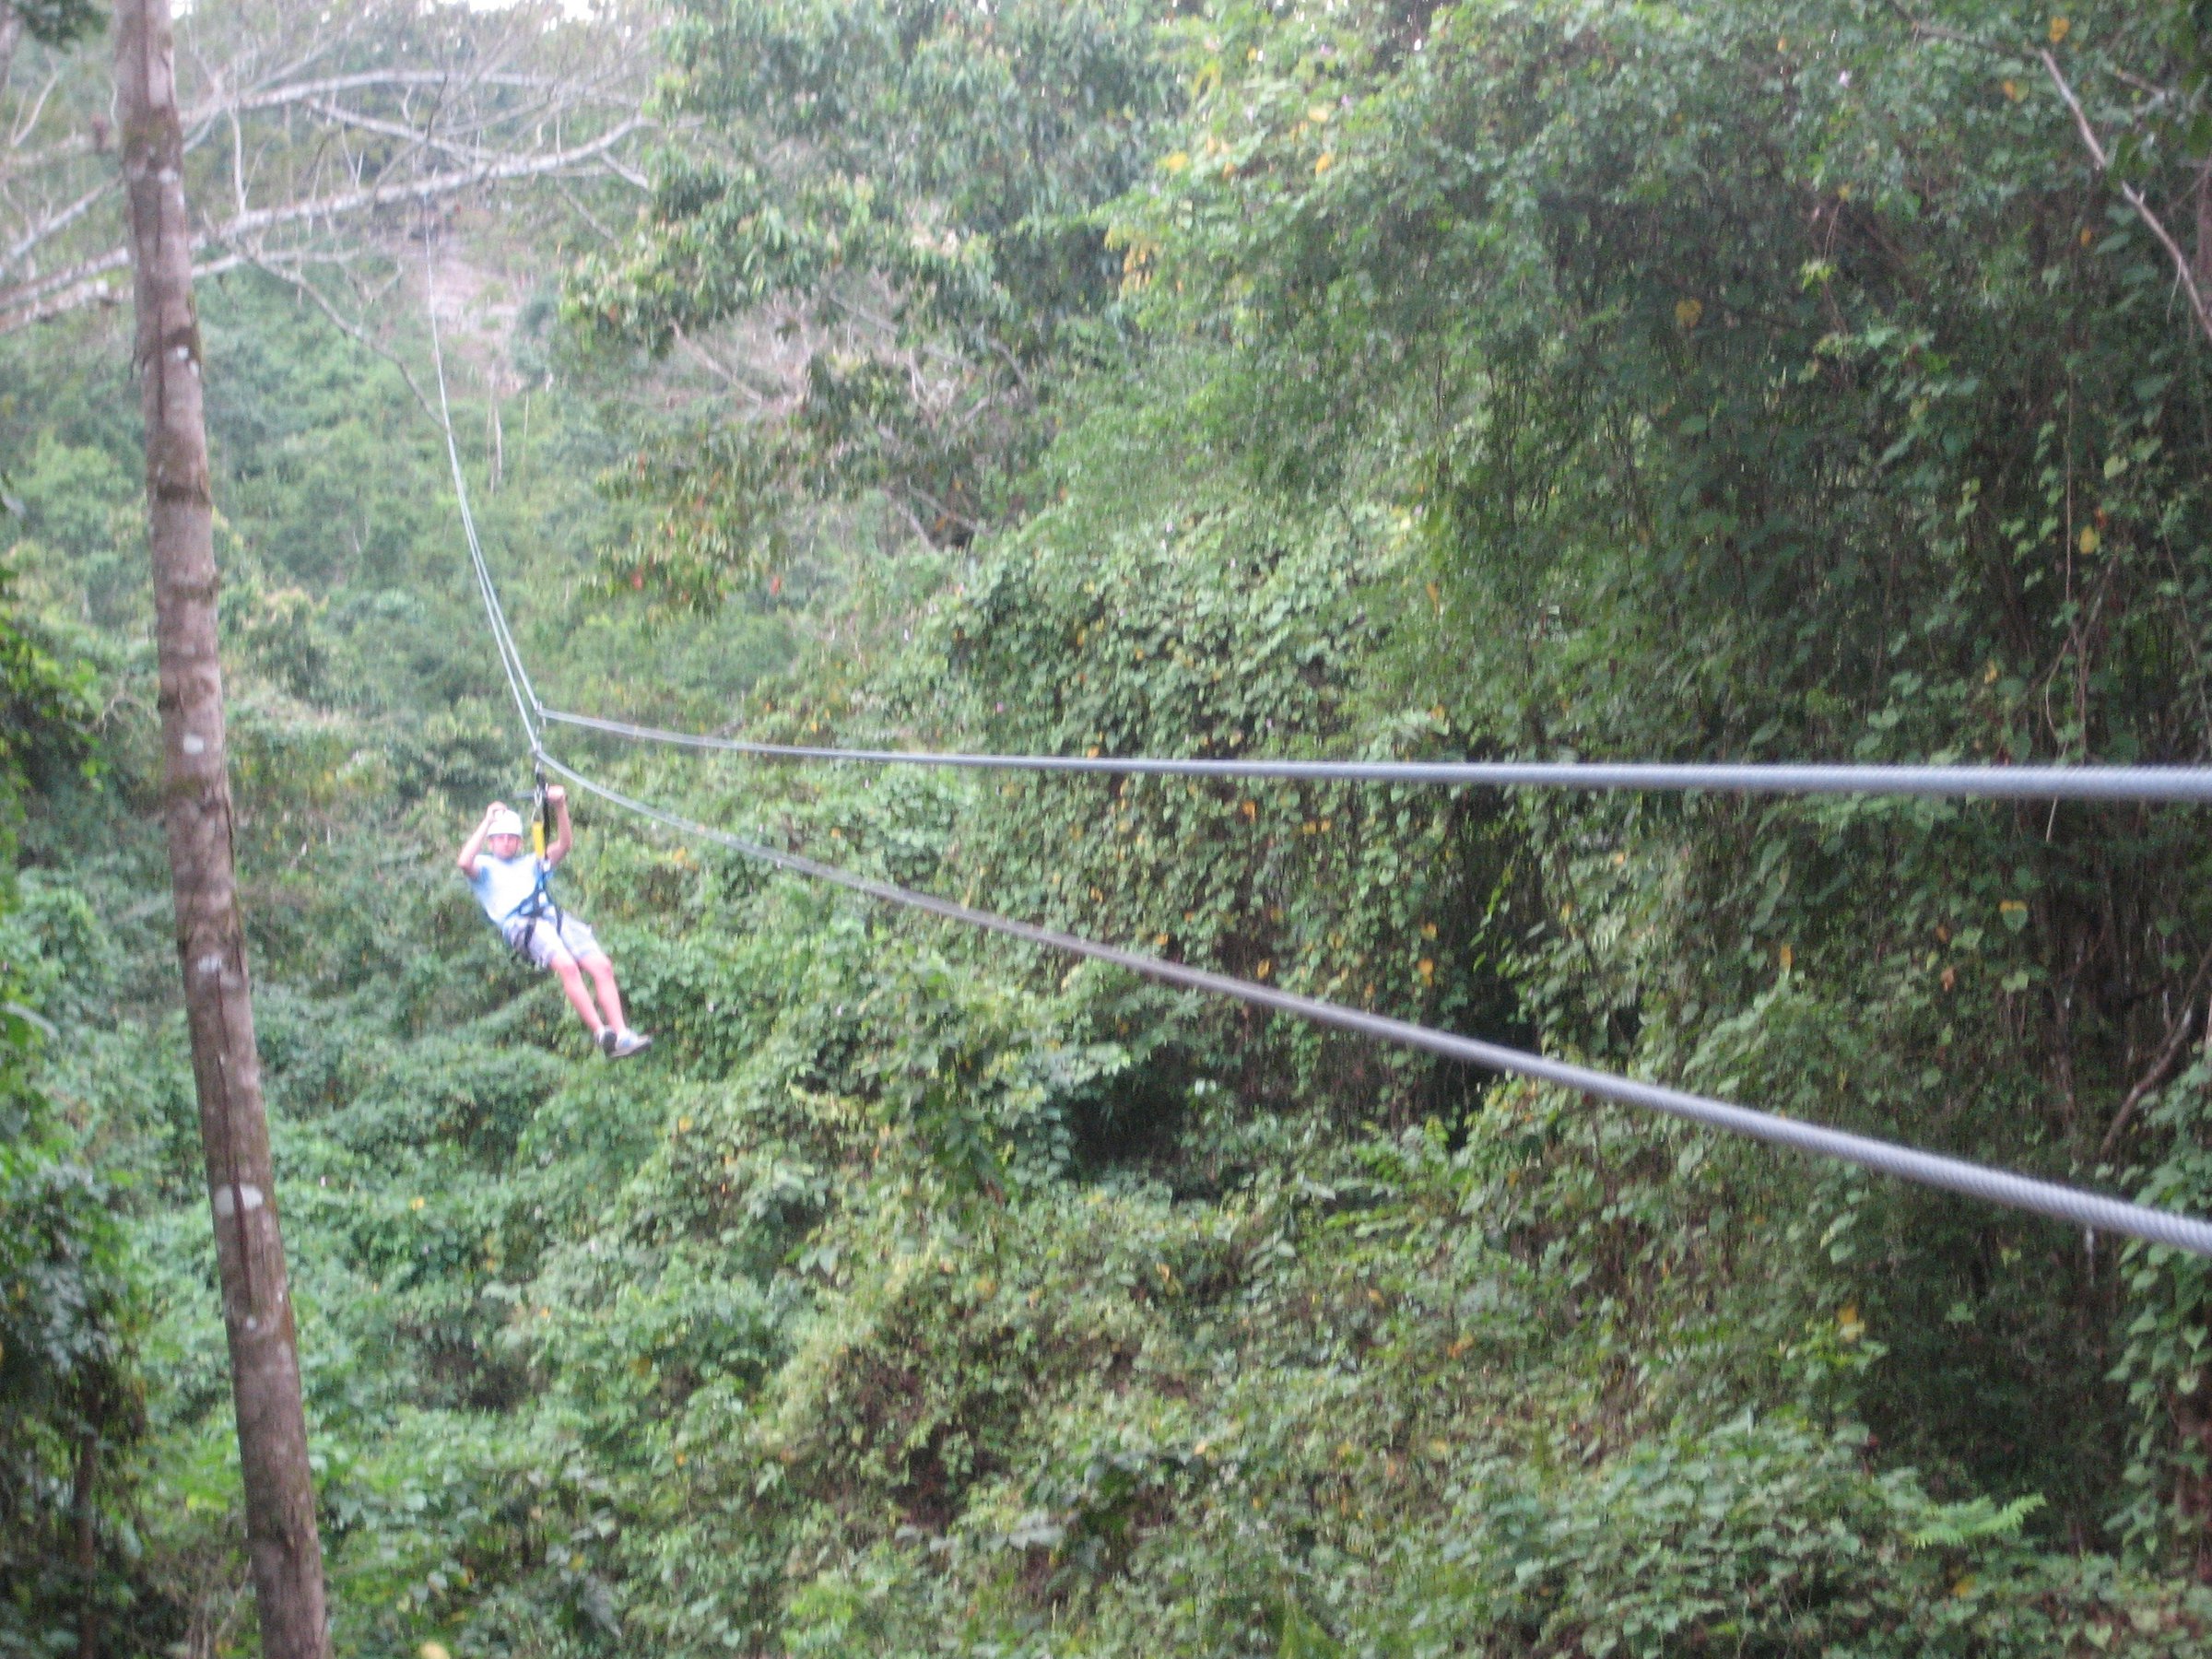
2075,1205
510,655
2136,784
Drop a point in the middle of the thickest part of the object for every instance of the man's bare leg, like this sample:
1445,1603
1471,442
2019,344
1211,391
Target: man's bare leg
602,979
571,983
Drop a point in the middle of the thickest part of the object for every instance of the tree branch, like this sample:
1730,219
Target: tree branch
57,222
2185,270
339,115
346,325
423,190
11,31
96,292
29,118
298,92
2160,1067
83,284
2081,120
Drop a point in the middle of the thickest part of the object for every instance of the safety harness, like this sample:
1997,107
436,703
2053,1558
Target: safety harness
541,904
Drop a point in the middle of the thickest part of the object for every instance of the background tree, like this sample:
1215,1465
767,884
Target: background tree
901,197
241,1182
311,139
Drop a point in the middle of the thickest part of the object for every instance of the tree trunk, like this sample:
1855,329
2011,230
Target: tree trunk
2204,225
287,1555
83,1504
11,31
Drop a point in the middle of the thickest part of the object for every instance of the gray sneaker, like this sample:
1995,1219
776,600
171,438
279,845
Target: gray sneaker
607,1040
627,1043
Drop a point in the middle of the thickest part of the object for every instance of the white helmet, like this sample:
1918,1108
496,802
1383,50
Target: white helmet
505,821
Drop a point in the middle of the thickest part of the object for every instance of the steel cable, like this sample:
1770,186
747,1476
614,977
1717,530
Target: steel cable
2142,784
511,656
2083,1208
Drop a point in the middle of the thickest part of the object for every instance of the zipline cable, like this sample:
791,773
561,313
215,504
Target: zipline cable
2084,1208
511,656
2143,784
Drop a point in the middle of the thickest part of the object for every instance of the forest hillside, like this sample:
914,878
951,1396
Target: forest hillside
1745,380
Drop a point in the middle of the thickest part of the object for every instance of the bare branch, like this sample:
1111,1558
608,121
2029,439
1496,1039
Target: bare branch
913,524
425,189
57,222
2185,273
84,284
2160,1067
29,118
339,115
629,175
86,278
586,91
2081,120
95,291
723,371
11,31
237,161
2155,93
581,212
351,329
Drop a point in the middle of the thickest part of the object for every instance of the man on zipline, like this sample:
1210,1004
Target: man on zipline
510,886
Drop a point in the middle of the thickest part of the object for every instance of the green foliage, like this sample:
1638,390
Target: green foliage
57,22
913,181
952,152
1754,381
46,711
2163,1359
70,1401
1748,380
1774,1540
71,1412
1954,1526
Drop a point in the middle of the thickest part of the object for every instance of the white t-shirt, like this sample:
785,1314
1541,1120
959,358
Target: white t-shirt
503,885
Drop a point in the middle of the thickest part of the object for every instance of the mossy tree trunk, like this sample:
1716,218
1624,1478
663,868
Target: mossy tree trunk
11,31
257,1316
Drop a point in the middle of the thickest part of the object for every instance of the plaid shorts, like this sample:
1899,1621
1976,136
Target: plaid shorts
547,944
